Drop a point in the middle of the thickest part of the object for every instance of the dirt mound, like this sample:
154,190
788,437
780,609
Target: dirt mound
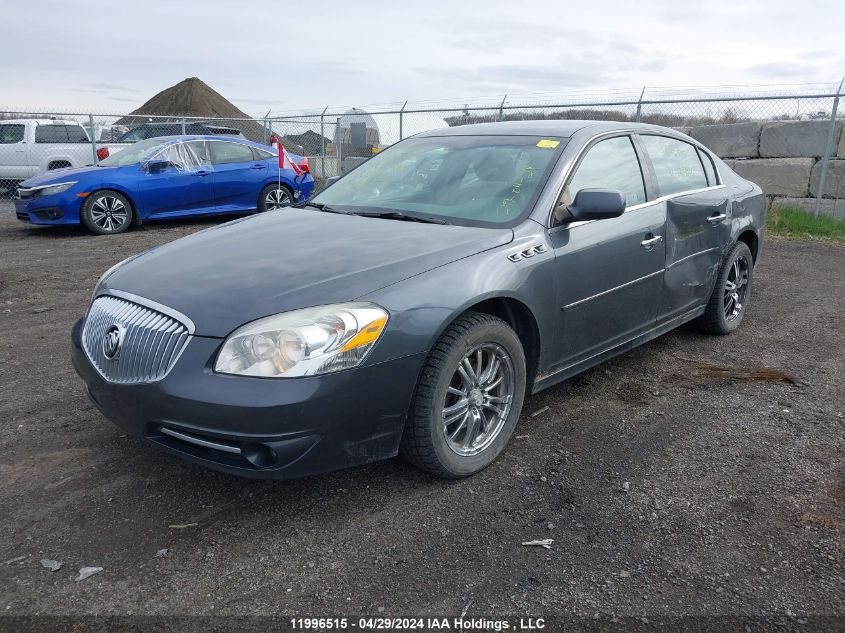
192,97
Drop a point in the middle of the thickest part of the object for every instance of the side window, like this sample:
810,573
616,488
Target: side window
611,164
11,133
51,134
225,153
709,169
190,156
676,164
260,154
200,150
77,134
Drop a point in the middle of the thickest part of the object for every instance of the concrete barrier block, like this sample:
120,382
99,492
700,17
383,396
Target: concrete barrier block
840,152
730,162
778,176
834,183
730,140
833,208
795,138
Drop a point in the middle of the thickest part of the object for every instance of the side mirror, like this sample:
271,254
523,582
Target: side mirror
597,204
332,180
156,166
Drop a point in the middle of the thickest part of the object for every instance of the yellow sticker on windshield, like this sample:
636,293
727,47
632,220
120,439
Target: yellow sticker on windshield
548,143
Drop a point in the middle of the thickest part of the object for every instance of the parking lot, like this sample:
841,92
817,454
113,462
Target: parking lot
676,480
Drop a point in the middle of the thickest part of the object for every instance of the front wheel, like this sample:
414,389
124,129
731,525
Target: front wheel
468,399
729,301
274,197
106,212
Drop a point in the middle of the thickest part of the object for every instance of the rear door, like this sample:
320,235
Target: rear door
185,187
609,272
238,176
697,228
14,152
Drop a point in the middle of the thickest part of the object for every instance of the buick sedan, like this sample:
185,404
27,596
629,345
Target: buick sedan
409,307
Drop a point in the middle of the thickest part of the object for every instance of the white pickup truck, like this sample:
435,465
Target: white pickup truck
29,147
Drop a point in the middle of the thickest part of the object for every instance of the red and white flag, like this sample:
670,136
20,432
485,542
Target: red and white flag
286,163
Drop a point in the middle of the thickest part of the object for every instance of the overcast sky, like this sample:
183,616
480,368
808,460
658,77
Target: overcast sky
285,56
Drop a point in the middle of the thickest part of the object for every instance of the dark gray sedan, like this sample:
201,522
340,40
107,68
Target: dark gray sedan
410,306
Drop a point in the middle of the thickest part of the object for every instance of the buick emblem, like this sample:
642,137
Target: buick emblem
112,340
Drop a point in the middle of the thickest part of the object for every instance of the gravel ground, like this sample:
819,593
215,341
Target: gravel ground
670,488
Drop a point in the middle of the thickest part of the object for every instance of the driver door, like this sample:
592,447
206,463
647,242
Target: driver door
609,273
184,187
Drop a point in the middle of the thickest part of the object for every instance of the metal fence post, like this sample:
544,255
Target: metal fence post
323,142
183,125
828,148
640,105
502,108
401,121
264,131
339,139
93,137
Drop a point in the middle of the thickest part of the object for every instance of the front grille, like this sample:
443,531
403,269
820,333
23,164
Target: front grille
150,342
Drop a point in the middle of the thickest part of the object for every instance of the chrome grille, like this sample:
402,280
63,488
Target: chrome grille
151,341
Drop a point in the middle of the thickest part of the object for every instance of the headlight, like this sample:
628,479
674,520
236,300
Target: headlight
306,342
57,188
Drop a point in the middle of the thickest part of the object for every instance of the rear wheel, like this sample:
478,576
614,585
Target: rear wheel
732,292
106,212
468,399
274,197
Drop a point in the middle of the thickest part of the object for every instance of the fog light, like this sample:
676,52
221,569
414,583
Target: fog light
259,455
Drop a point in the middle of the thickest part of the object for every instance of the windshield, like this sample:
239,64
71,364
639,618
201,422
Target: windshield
477,180
137,153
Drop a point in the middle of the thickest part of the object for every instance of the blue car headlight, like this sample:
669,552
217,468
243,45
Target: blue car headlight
59,187
305,342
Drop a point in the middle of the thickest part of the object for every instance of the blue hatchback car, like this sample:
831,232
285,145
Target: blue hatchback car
166,177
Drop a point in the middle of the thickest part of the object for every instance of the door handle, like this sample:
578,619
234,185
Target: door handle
203,173
259,166
649,243
715,219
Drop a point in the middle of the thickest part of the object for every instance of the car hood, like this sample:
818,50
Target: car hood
283,260
63,175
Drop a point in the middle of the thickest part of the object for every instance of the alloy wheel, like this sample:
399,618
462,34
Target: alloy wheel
736,288
276,199
478,399
109,213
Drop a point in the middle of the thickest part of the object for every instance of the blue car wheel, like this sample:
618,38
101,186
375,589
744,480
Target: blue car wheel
106,212
274,197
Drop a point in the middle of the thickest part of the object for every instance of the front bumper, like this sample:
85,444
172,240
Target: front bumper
60,208
259,427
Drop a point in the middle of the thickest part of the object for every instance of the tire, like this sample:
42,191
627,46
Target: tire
729,301
450,449
265,199
107,212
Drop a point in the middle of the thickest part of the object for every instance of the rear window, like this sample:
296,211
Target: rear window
60,134
11,133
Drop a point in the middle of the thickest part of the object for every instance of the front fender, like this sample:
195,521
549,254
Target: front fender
423,306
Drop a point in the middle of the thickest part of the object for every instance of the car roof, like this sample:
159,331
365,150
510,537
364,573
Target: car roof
559,128
209,137
42,121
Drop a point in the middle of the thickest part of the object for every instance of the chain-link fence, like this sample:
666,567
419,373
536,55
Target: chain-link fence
789,141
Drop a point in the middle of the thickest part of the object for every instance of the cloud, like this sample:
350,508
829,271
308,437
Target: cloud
784,70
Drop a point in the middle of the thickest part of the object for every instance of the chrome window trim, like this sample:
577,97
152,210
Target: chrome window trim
568,170
153,305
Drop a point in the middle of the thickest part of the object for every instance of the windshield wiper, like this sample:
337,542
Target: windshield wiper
398,215
319,206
